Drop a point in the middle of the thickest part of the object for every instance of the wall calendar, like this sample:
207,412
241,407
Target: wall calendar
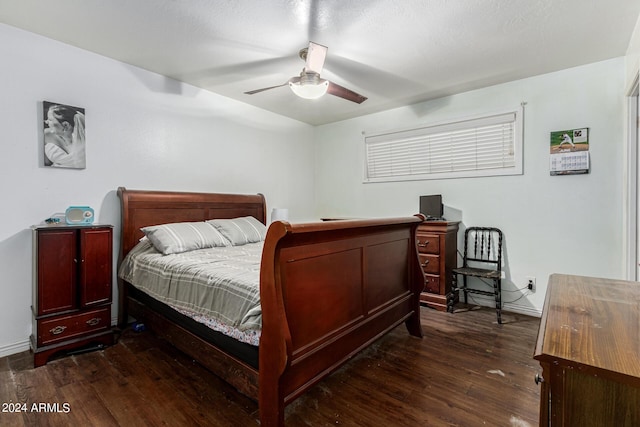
569,152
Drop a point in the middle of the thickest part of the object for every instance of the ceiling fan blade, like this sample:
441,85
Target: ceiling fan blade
345,93
251,92
232,72
316,55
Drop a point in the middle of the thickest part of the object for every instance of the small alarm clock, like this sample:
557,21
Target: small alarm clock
78,215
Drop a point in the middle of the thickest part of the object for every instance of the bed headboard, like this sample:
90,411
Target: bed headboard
141,208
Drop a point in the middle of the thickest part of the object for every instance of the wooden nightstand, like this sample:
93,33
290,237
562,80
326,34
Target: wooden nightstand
437,247
72,282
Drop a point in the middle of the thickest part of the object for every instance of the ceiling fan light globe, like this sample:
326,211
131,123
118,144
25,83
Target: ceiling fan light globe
309,91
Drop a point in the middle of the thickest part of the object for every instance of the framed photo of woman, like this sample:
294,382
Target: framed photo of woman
64,136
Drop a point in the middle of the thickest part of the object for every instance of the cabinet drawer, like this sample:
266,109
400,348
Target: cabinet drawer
431,283
61,328
430,263
428,243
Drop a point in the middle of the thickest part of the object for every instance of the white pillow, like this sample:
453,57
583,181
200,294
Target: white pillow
181,237
240,231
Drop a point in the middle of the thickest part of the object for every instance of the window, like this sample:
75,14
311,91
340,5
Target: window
479,146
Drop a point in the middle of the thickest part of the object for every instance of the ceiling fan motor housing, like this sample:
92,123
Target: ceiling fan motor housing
310,78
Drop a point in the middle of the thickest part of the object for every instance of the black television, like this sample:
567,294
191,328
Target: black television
431,206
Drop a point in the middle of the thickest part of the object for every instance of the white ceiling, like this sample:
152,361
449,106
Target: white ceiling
395,52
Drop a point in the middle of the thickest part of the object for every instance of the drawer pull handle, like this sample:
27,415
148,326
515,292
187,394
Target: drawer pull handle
93,322
424,264
57,330
423,244
538,379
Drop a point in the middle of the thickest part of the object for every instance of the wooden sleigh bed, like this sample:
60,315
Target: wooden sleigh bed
327,290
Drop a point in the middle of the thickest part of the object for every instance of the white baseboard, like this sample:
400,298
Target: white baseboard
9,349
521,309
508,307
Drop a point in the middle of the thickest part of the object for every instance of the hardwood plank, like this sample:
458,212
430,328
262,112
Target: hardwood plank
87,407
466,371
126,404
9,396
34,386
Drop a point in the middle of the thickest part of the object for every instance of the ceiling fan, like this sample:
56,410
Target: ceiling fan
308,84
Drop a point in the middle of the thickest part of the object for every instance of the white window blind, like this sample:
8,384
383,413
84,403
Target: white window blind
489,145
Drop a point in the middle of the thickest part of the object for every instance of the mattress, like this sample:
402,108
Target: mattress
217,287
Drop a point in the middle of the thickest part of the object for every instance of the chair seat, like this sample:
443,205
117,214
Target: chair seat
478,272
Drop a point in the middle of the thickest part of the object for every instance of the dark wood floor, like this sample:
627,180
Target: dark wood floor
467,371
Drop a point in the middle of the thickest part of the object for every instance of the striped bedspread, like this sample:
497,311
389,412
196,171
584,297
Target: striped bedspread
219,287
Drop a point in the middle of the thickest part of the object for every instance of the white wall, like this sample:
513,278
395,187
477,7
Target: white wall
144,131
630,186
633,56
563,224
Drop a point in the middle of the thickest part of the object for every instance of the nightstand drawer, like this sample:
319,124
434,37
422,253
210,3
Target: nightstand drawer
69,326
430,263
428,243
431,283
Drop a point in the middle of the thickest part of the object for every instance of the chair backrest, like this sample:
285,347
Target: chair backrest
483,245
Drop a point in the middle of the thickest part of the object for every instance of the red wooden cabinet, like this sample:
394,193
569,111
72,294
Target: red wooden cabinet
437,248
72,282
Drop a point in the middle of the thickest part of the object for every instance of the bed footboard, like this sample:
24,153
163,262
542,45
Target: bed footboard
327,291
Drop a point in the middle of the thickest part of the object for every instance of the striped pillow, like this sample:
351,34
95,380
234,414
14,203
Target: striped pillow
240,231
181,237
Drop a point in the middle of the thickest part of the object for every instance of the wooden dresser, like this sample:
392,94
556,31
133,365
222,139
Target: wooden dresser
589,349
437,246
72,275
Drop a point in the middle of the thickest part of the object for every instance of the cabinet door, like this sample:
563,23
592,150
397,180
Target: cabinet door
95,266
57,264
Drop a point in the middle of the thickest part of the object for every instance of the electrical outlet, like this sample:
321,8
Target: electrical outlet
531,283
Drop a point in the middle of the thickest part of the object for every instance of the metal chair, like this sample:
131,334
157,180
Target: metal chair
482,258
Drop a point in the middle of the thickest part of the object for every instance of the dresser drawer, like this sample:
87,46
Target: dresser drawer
430,263
60,328
428,243
431,283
